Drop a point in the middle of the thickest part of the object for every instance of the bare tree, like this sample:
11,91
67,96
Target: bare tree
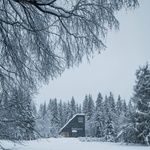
40,38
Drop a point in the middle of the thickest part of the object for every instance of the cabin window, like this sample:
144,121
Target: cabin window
74,132
80,119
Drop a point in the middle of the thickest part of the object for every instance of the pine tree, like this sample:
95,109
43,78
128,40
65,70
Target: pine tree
29,120
138,129
119,106
79,108
112,104
130,109
90,124
123,113
110,118
142,102
60,113
90,107
109,129
72,107
85,105
19,121
65,112
34,109
99,117
69,112
42,110
55,121
43,121
106,106
125,107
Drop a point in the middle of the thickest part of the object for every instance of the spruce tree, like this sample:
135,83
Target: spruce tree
112,104
88,110
120,116
65,112
90,107
78,108
60,113
110,118
85,105
119,106
72,107
18,119
55,121
142,102
42,121
138,129
99,117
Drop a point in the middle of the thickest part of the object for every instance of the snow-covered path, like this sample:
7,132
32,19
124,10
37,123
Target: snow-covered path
72,144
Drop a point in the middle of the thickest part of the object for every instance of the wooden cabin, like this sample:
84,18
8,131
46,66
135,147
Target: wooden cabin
75,127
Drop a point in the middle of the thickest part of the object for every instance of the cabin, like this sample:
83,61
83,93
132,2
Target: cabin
75,127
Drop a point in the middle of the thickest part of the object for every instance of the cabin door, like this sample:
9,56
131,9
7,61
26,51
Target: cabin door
74,133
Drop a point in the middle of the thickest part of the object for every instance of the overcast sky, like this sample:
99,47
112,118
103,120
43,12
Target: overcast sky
112,70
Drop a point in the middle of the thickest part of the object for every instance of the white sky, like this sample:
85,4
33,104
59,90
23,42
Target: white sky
112,70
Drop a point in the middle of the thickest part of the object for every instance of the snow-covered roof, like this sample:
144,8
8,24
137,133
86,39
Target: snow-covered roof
70,121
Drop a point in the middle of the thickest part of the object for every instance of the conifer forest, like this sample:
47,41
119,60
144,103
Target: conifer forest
107,118
41,39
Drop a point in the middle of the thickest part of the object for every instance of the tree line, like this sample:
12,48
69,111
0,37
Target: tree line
102,115
106,117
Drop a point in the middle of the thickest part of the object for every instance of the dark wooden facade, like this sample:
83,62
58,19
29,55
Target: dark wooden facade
75,127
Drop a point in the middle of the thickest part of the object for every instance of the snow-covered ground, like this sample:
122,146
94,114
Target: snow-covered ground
70,144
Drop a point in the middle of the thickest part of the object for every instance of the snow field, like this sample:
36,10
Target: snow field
70,144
